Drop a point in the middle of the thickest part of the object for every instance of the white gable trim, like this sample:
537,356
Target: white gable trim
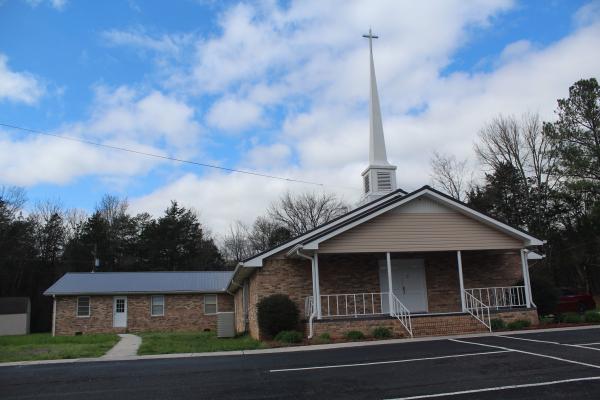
528,239
257,261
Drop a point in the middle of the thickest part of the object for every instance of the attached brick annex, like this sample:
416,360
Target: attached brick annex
183,312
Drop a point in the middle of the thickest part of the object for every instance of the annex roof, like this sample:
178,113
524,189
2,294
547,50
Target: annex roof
74,283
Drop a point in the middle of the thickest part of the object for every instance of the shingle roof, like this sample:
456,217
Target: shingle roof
140,282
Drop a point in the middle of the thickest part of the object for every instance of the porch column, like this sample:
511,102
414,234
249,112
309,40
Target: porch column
526,283
390,291
53,315
317,287
461,281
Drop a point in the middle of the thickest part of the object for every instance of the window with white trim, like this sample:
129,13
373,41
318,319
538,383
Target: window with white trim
157,307
210,304
83,306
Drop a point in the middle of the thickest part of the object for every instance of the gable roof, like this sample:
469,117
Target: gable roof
311,239
74,283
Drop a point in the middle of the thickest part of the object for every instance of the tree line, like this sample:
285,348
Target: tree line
543,177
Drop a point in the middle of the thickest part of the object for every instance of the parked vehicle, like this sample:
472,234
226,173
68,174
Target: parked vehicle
573,301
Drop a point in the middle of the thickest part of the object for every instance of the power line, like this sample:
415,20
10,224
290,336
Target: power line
138,152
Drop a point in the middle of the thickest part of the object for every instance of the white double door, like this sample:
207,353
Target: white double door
120,312
408,283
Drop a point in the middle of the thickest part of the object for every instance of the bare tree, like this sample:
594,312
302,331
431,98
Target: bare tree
13,198
303,212
112,208
266,233
236,245
450,175
74,219
520,143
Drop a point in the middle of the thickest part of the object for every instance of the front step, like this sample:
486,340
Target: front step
438,325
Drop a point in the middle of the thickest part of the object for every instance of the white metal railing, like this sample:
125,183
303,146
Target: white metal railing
352,304
477,309
400,311
500,297
359,305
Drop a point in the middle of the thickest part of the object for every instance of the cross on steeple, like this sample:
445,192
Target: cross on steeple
370,36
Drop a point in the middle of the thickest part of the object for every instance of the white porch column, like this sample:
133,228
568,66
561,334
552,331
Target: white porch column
526,283
390,291
317,286
461,281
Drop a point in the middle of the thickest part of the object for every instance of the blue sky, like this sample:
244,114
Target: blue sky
277,88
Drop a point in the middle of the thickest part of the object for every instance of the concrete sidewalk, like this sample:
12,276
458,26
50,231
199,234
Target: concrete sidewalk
125,348
122,357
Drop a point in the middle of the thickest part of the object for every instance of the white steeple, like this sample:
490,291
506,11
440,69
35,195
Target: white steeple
380,177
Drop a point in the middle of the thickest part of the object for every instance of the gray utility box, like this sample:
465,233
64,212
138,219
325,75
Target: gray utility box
225,324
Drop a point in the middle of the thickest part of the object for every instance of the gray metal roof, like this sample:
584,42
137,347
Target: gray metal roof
140,282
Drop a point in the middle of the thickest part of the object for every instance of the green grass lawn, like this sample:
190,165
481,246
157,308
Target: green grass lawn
42,346
193,342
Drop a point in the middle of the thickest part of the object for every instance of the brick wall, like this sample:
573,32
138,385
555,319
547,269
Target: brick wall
530,315
183,312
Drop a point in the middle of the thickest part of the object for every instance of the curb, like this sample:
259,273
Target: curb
294,349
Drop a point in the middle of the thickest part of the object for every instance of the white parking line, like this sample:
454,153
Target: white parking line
498,388
389,362
527,352
581,346
588,344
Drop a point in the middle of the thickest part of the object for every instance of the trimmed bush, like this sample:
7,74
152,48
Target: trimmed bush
382,332
547,320
355,335
323,338
571,318
277,313
518,324
545,293
498,324
592,316
289,337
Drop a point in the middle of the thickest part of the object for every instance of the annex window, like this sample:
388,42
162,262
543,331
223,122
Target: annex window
158,306
83,306
210,304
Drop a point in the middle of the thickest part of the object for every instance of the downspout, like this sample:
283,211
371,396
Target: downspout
314,307
53,315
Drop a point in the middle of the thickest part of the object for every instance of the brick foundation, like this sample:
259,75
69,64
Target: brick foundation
183,312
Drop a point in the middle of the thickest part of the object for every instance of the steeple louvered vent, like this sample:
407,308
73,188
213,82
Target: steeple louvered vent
384,181
366,183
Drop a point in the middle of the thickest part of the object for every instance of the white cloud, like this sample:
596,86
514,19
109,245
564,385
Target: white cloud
18,86
310,62
56,4
152,122
234,115
171,44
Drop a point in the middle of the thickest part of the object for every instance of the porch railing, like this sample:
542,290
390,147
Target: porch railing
400,311
500,297
359,305
478,309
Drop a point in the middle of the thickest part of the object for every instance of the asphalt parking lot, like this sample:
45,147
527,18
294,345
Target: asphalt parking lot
550,365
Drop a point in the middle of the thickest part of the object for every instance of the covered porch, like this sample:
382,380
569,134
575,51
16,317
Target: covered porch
408,285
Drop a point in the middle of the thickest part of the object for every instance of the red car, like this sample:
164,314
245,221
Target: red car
571,301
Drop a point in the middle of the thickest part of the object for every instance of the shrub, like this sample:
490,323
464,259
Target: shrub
592,316
571,318
355,335
277,313
289,337
323,338
518,324
545,320
381,332
498,324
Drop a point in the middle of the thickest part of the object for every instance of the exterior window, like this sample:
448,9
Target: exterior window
158,305
83,306
210,304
